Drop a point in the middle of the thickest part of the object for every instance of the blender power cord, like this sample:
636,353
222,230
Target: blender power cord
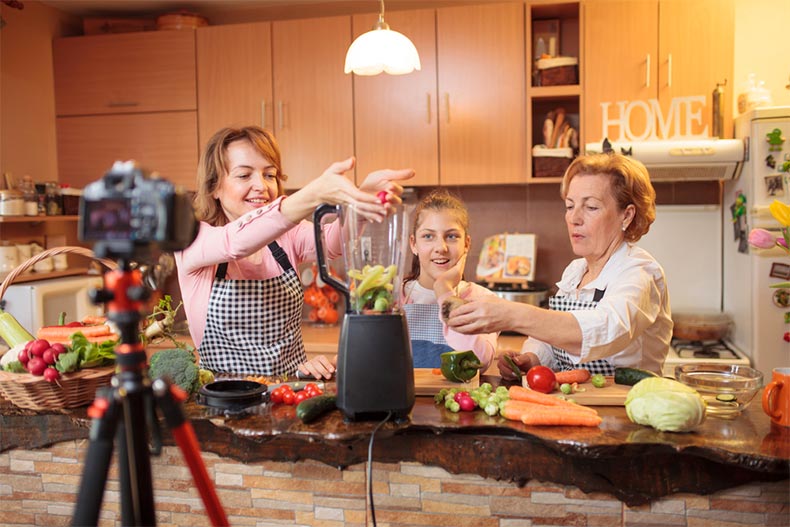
370,467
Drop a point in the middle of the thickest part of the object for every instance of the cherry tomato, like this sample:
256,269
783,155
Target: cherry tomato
382,195
300,396
466,404
541,379
276,396
460,395
289,397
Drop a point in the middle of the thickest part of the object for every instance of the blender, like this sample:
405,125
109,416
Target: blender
375,371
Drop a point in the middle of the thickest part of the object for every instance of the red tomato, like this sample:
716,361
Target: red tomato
541,379
276,396
300,396
289,397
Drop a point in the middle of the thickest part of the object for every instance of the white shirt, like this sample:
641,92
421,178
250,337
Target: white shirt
632,323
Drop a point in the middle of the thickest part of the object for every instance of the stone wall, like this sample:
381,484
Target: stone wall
38,487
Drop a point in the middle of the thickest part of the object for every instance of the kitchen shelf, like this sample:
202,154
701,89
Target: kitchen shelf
31,277
541,92
37,219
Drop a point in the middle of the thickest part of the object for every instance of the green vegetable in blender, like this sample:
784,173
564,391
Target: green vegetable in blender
459,366
374,287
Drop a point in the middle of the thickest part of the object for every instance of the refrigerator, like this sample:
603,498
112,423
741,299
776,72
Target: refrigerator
761,314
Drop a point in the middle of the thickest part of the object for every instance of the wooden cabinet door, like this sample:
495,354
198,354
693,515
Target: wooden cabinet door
234,77
313,114
395,116
621,64
150,71
696,50
165,142
481,72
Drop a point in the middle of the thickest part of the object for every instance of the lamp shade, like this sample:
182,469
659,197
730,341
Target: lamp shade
382,50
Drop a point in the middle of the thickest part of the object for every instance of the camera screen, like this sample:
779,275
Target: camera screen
107,219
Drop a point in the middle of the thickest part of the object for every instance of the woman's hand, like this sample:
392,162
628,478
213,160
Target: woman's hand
486,315
386,180
524,361
319,367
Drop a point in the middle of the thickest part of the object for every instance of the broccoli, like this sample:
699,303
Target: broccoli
178,365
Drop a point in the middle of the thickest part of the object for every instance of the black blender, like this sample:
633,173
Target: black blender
375,372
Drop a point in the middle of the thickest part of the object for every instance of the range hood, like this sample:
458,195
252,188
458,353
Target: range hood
682,160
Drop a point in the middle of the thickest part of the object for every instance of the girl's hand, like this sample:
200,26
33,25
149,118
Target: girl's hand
448,281
319,367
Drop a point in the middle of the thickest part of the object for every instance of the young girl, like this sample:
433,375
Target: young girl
440,242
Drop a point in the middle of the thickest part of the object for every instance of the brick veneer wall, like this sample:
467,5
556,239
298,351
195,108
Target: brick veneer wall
38,487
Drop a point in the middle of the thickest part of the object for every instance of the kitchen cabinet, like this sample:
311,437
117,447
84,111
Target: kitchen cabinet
234,77
562,22
313,113
165,142
395,116
481,78
149,71
655,50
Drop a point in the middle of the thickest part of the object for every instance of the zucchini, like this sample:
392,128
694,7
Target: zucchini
12,331
311,409
631,376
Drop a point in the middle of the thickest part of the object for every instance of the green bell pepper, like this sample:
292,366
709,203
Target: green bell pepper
459,366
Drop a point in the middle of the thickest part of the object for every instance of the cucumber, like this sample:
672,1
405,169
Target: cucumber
311,409
631,376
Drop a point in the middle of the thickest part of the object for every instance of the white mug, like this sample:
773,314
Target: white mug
9,258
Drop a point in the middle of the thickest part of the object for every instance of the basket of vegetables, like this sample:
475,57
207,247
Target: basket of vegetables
63,365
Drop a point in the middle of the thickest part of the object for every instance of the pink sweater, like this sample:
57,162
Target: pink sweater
242,243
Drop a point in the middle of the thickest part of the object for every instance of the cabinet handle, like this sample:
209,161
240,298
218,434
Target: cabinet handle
428,95
121,104
647,71
280,114
263,114
447,108
669,70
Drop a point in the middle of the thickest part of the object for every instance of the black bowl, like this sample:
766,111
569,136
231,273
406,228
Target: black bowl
232,394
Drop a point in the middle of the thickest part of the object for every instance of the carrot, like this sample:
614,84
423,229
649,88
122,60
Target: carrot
572,407
93,320
524,394
541,415
571,376
54,332
436,371
66,341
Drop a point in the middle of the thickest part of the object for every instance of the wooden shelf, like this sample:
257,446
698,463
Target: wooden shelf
541,92
31,277
37,219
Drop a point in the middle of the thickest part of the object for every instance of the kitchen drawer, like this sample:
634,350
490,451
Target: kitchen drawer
125,73
162,142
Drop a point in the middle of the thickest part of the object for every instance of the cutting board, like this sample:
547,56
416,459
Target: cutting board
428,383
610,395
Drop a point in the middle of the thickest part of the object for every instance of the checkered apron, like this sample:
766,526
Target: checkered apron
254,326
426,334
561,357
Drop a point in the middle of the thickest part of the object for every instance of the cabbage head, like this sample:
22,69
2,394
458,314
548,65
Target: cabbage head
665,404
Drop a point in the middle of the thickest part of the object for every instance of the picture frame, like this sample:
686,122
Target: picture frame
545,37
780,270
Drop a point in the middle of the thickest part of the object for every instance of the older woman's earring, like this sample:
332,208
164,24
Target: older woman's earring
625,227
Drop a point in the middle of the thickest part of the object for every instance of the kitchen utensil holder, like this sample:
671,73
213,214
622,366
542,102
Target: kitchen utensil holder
72,390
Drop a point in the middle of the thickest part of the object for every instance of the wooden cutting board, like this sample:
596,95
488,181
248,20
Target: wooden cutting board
428,383
610,395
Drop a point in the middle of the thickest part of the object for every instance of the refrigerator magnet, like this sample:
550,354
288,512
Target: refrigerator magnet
780,270
770,161
774,185
775,140
781,298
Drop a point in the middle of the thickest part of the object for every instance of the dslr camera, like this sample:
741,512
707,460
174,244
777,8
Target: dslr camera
129,211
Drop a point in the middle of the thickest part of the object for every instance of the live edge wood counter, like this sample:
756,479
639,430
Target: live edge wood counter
634,463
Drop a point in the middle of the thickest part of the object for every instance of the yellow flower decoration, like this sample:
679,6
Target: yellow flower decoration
781,212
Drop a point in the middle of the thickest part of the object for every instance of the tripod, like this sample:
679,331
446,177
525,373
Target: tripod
124,412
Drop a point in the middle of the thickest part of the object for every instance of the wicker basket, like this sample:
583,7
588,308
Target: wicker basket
72,389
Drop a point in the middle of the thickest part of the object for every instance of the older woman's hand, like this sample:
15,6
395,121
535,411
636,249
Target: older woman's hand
486,315
386,180
524,361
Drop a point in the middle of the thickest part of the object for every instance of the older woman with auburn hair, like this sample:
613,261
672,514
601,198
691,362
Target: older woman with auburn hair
242,296
612,305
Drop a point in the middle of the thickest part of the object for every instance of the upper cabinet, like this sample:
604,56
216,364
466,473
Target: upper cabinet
150,71
481,76
234,77
395,116
313,109
651,67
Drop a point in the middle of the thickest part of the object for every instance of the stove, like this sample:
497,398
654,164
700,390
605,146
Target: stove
711,351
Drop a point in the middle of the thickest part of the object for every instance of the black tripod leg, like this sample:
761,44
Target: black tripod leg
104,412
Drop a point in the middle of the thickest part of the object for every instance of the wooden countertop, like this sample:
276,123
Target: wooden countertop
632,462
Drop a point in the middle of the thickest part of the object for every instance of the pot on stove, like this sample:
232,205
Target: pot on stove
533,293
701,326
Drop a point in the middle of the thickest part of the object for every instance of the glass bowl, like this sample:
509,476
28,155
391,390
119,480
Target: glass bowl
727,389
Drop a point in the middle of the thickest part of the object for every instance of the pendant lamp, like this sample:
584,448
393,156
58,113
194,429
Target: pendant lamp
382,50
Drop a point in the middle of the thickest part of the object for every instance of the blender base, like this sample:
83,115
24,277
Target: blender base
375,371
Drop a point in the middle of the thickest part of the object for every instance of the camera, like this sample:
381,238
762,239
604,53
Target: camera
129,210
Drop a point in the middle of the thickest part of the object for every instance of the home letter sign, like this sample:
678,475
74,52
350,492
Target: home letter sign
683,114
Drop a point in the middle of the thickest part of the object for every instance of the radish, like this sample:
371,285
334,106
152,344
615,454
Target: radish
49,356
38,347
23,357
36,366
58,348
51,375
